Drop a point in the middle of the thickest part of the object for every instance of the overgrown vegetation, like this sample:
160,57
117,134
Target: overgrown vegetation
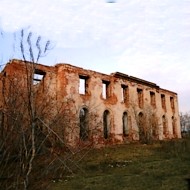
163,165
147,122
185,124
31,146
33,154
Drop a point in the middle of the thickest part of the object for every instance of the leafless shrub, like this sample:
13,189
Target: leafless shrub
185,123
33,149
147,123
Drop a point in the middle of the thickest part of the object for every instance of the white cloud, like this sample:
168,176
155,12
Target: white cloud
149,38
166,70
82,23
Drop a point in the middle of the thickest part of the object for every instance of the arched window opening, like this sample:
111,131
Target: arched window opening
140,119
125,124
173,125
106,123
154,125
164,125
83,115
141,124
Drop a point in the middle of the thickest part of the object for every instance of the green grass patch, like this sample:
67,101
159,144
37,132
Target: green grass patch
163,165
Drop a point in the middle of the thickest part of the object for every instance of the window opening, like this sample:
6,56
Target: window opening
125,124
172,103
152,99
163,100
83,115
154,125
141,125
164,125
173,125
83,84
140,97
106,122
125,94
105,89
38,76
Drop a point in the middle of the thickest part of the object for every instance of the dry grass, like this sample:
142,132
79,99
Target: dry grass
161,166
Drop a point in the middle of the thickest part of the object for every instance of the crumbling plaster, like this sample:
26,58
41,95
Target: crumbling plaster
61,83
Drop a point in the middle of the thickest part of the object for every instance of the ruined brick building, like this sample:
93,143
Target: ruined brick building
91,106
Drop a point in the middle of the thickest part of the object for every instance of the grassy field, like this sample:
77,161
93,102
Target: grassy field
162,166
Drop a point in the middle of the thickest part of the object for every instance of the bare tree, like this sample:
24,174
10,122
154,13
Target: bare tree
18,118
33,127
185,123
147,123
22,119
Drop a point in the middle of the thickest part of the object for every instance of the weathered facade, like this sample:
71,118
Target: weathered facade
96,107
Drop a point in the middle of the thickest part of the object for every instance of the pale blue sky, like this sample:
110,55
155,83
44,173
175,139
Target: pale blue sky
149,39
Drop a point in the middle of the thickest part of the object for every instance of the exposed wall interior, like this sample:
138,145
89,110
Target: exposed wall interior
98,107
